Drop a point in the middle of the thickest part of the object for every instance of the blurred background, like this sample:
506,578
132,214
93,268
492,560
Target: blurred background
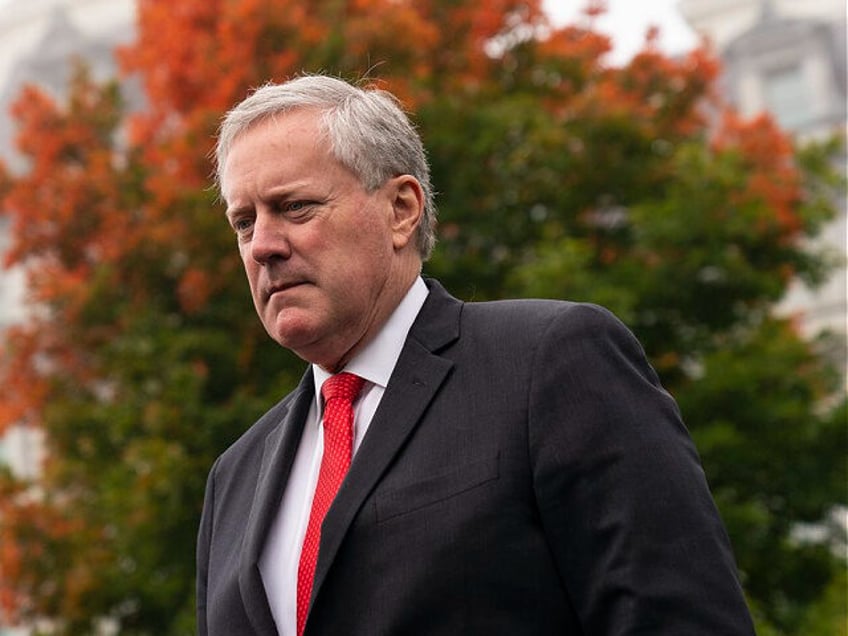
681,162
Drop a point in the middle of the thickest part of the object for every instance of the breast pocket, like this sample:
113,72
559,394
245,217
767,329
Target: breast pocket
409,498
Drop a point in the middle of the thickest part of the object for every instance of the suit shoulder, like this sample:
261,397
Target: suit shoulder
575,317
520,327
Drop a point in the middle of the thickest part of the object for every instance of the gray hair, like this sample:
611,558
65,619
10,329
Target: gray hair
368,131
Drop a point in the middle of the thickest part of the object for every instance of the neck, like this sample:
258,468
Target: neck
391,296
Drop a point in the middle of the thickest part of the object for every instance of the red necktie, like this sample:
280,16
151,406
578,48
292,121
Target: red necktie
339,392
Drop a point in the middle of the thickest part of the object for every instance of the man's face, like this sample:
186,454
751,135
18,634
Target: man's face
320,252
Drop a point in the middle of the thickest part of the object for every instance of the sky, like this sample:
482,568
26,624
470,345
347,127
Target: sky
628,20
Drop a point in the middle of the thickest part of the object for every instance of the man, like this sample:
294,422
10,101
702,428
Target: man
514,467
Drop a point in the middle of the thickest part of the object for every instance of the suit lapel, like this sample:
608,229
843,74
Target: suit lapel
277,458
414,383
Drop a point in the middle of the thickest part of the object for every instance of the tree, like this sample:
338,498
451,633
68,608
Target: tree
560,175
129,364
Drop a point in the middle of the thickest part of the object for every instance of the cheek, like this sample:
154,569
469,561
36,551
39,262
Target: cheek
246,261
251,271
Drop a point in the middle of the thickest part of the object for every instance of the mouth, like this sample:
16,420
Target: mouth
282,287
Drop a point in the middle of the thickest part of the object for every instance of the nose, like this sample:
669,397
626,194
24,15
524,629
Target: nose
269,241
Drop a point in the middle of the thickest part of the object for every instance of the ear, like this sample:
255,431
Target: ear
407,208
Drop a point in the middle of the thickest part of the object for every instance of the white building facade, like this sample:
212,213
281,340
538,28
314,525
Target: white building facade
788,57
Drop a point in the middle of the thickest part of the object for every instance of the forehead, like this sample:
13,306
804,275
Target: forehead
279,142
289,128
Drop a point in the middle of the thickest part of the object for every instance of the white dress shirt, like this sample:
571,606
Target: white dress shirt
375,363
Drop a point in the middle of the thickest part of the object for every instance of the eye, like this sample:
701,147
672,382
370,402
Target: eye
242,225
298,210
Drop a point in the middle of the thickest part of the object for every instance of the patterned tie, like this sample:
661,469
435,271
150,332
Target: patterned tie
339,392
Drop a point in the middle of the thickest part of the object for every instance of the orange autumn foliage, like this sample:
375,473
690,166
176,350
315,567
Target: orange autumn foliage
768,158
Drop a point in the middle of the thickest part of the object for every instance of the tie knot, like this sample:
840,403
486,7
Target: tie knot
342,385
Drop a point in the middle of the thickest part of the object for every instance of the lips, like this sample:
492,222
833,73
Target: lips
270,290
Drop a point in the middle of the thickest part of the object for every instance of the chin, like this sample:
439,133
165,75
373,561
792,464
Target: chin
293,336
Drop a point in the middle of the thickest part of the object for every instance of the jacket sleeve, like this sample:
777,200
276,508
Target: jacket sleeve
623,499
204,538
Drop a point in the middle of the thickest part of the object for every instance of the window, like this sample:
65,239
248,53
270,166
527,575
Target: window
787,96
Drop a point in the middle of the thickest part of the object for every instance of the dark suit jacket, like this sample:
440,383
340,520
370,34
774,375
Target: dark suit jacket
524,474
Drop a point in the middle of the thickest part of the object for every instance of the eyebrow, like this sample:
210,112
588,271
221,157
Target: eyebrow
230,212
280,192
